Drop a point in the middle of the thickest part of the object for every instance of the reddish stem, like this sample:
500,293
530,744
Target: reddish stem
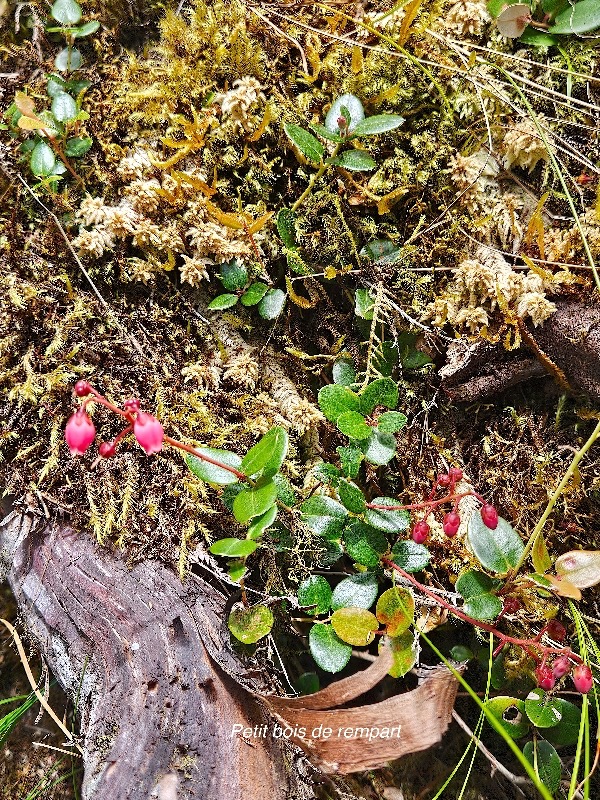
189,449
428,503
526,644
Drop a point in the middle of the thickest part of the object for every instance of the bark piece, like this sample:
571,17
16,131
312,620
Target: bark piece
570,339
156,714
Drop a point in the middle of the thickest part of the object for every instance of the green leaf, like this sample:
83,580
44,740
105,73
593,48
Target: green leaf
357,591
64,63
351,496
254,294
396,610
78,146
329,552
328,651
87,29
253,502
286,227
381,123
364,304
64,107
495,7
537,38
324,516
355,626
250,624
236,569
404,654
391,422
542,709
350,460
233,275
355,160
307,683
540,557
305,142
67,12
381,251
410,356
546,761
272,304
381,392
353,424
364,544
510,713
315,591
42,160
211,473
483,606
461,653
344,373
233,548
379,448
285,490
579,18
222,301
498,550
354,109
475,587
567,730
553,7
321,130
229,493
326,473
267,455
472,583
335,400
56,85
259,525
410,556
394,521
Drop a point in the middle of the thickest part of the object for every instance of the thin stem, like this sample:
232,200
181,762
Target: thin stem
189,449
528,644
315,177
427,503
537,531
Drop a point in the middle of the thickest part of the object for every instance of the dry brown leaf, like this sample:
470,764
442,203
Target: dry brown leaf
348,740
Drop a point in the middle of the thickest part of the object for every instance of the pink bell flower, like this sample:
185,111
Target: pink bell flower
79,433
149,433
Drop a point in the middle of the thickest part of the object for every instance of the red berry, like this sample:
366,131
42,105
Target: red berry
455,474
489,515
107,449
561,666
583,678
545,678
443,480
511,605
451,523
556,630
132,405
420,532
82,388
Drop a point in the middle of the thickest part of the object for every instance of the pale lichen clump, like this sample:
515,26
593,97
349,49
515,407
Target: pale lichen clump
523,146
467,18
566,244
241,103
487,284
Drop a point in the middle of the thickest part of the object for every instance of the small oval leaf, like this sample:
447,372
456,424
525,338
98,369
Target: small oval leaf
314,595
355,626
233,548
305,142
248,625
580,567
327,649
211,473
396,610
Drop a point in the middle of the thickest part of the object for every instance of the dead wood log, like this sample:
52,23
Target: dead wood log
156,713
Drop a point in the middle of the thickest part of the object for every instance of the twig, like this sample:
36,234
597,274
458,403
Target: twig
517,780
42,700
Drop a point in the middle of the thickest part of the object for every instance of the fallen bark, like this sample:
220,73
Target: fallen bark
156,713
